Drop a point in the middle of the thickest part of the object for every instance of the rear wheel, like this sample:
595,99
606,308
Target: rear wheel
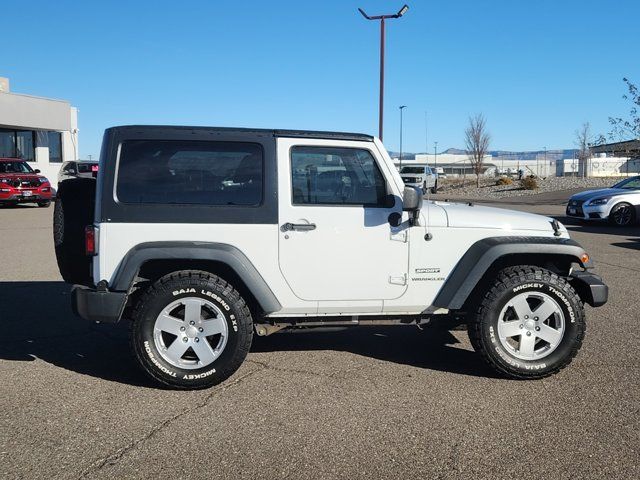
622,214
530,323
191,330
44,204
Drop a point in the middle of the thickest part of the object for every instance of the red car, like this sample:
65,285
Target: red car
19,183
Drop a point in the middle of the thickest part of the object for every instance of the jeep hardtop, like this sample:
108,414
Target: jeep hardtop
202,237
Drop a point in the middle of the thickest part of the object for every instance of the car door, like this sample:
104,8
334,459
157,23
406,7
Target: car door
335,240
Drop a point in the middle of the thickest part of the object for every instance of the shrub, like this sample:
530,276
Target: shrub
504,181
529,183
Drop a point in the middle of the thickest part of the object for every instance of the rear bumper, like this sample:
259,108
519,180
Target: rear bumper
97,306
590,287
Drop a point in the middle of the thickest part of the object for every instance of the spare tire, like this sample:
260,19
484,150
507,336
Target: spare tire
73,212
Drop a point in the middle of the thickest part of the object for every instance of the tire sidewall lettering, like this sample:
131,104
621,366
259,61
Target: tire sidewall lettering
499,350
150,350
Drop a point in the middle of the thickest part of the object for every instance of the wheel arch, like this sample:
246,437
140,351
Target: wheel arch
488,256
148,262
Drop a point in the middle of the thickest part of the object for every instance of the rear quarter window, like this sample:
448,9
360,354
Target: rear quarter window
190,173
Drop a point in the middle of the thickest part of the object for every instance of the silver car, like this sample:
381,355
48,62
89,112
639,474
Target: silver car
619,204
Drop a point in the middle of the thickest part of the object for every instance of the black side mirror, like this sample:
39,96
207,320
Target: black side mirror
412,202
37,170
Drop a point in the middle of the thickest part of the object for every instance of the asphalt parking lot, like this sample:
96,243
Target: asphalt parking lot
361,403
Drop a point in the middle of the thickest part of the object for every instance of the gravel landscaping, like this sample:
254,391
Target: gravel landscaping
489,189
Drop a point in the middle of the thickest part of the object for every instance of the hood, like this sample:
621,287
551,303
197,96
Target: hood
602,192
461,215
30,175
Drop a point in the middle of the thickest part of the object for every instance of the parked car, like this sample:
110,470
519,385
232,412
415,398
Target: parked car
77,169
421,176
620,204
19,183
198,268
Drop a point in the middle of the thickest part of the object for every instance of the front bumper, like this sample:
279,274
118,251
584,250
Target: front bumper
590,287
97,305
588,212
17,196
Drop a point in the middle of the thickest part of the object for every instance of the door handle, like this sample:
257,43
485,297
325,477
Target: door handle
299,227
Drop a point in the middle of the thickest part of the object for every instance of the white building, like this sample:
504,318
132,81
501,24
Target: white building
452,164
42,131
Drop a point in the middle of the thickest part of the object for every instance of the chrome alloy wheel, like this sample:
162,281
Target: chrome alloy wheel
190,333
531,325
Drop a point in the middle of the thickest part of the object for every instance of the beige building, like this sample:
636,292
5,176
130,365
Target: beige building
42,131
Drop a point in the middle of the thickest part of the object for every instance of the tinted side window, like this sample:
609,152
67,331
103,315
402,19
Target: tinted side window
336,176
190,172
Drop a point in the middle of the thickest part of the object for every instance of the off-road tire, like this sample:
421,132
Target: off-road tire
618,220
183,284
510,282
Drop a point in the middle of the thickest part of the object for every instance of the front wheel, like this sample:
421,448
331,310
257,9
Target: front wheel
530,323
622,215
191,330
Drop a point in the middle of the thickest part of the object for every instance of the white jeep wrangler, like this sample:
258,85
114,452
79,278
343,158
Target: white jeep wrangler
202,236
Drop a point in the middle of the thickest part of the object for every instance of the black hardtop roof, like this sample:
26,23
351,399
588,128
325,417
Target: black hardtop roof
249,131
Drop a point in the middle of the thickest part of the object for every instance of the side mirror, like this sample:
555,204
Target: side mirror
412,202
411,199
37,170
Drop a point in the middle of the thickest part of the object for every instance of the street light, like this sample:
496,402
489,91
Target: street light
382,18
435,155
401,107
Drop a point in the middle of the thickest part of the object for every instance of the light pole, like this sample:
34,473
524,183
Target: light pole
382,18
426,133
435,155
401,107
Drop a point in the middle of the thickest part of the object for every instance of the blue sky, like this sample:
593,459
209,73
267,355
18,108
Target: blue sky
537,69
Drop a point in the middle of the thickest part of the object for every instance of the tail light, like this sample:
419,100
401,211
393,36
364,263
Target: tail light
90,245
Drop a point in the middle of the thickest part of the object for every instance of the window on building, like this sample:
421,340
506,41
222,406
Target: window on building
7,144
25,145
17,144
55,146
336,176
190,172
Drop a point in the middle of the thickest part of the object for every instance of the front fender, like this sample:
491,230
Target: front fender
473,265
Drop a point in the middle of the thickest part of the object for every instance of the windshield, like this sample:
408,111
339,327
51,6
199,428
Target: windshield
15,167
629,184
412,170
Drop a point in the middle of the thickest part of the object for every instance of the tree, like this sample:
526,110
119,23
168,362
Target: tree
584,140
477,142
627,129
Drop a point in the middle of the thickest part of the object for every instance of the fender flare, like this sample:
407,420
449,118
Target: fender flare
484,253
130,265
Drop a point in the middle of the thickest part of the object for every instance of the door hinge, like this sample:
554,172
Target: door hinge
398,280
